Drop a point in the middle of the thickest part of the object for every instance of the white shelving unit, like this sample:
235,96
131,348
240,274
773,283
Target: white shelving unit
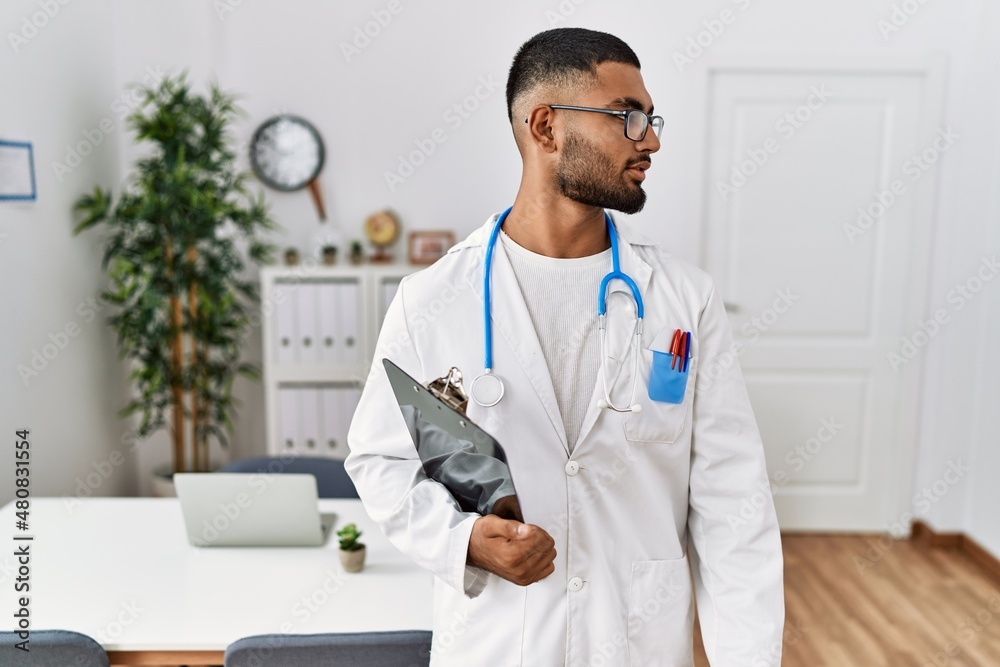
320,325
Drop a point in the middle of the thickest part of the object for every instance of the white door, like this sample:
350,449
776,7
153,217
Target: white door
819,188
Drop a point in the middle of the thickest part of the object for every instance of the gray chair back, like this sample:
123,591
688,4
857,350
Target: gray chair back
403,648
52,648
332,481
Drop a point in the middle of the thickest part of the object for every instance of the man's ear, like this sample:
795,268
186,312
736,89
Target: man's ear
540,128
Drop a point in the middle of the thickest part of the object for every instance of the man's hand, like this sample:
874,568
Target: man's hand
521,553
508,508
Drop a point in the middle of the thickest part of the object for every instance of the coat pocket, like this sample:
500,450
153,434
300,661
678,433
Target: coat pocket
660,614
668,376
660,420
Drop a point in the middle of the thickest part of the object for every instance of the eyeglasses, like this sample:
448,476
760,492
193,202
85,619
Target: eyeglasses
636,121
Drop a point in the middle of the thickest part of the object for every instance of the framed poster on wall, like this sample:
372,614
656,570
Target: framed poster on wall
17,171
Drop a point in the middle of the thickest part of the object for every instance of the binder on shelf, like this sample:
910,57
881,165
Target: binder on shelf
309,406
333,441
329,329
350,321
288,419
306,302
284,323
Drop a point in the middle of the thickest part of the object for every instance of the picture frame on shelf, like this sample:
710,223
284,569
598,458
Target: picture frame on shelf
428,246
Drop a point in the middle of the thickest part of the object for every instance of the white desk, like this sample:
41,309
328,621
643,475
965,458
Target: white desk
121,570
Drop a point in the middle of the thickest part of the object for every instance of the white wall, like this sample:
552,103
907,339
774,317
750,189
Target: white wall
56,87
372,108
979,515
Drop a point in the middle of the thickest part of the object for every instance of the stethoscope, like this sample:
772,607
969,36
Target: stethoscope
488,388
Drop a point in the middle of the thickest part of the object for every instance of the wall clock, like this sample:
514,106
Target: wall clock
287,154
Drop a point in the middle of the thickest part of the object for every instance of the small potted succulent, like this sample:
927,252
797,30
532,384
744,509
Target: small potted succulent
291,256
357,252
352,552
329,254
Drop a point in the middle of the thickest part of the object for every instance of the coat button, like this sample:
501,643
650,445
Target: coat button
572,467
575,584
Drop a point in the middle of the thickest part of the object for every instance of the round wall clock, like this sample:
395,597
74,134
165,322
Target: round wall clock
287,154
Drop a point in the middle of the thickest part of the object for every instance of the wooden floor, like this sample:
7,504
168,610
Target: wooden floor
871,601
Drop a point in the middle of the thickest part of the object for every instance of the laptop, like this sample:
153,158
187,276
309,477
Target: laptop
233,509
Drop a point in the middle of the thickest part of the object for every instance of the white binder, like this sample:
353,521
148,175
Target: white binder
350,321
329,341
306,302
288,419
310,436
334,442
284,323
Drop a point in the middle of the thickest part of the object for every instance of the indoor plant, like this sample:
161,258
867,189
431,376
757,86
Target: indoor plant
357,252
182,310
352,552
329,254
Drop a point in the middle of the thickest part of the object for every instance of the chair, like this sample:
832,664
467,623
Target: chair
52,648
332,481
404,648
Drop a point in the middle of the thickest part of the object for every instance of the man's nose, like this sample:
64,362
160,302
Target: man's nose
649,143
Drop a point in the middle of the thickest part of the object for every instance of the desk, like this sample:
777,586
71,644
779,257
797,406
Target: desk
121,570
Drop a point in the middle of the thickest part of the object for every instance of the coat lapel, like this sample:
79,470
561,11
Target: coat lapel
512,321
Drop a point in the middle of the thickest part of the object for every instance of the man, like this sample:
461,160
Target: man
616,502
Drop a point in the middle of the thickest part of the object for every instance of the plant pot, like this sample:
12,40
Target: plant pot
163,479
291,257
357,258
329,257
353,561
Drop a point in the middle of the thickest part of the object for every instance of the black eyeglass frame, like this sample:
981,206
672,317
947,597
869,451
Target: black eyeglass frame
621,113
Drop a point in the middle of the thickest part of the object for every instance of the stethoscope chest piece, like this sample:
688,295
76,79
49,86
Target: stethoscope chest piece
487,389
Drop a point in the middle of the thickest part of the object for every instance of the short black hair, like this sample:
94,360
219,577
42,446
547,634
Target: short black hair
556,55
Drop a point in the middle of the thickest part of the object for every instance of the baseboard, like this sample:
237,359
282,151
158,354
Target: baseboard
923,534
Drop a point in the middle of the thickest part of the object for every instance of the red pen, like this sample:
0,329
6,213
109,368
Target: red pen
673,347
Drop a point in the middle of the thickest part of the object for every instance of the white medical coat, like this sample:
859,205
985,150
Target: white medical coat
640,497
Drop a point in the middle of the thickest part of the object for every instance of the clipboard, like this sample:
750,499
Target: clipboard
453,450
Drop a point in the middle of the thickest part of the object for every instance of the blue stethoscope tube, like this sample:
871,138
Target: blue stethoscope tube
602,307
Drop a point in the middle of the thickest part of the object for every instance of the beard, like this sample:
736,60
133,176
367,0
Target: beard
589,177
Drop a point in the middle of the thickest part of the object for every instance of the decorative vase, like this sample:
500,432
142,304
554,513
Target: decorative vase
353,561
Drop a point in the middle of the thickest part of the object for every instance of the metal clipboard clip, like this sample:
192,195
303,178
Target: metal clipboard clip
449,389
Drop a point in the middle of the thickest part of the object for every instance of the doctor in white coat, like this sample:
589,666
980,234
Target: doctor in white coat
630,512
